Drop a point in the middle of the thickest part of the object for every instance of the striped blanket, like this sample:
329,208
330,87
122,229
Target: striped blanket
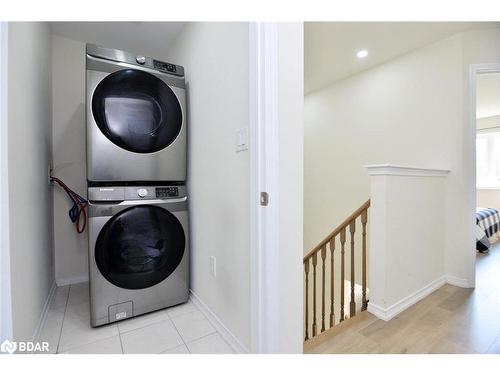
487,225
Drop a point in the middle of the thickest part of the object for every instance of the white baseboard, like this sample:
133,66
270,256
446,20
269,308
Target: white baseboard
72,280
390,312
458,281
43,315
231,339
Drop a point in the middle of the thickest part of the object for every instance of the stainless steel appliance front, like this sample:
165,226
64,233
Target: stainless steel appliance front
136,118
138,250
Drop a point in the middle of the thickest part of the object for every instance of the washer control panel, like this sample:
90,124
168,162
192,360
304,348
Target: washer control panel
168,191
126,193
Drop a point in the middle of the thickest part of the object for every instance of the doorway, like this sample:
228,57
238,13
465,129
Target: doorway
485,118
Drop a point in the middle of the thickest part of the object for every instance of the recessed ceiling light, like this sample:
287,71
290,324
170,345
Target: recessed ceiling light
361,54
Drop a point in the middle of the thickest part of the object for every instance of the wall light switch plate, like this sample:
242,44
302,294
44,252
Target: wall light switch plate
213,266
241,139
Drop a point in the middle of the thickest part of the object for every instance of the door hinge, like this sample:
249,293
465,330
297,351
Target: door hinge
264,198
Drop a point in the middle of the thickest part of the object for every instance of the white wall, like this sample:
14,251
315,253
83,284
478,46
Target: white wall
394,113
488,198
215,56
30,201
413,110
69,154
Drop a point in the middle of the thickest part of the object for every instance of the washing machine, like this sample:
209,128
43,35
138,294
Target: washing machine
136,118
138,250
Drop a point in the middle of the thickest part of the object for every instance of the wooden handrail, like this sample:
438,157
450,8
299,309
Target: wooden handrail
337,230
324,254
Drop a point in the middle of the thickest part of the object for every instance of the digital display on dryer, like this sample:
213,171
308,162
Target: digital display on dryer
166,192
164,66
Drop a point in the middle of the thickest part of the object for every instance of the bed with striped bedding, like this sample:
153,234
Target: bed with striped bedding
487,226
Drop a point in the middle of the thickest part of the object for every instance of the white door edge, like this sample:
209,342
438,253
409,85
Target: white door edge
5,294
264,172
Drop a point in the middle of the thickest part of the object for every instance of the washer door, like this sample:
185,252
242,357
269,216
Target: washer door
137,111
139,247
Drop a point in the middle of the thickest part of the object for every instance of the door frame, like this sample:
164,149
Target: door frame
474,71
276,167
5,293
263,140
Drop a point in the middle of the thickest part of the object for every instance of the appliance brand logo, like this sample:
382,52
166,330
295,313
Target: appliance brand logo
107,211
23,346
106,189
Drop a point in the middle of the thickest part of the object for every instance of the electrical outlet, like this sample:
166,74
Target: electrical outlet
213,266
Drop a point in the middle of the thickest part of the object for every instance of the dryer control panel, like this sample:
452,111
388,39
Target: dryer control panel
160,65
165,192
115,55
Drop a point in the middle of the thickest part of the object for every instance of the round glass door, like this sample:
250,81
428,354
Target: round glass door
137,111
139,247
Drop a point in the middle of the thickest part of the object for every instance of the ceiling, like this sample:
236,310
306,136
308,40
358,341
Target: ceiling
330,47
148,38
488,95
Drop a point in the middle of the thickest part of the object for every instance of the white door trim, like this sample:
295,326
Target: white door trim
474,70
5,295
264,175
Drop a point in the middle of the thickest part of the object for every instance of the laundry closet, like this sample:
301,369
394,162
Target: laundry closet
195,78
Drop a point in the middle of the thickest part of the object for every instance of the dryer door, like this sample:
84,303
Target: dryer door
139,247
137,111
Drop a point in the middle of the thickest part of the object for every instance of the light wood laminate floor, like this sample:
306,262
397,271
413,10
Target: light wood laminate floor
450,320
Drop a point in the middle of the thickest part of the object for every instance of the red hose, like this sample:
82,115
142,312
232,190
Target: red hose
79,203
82,212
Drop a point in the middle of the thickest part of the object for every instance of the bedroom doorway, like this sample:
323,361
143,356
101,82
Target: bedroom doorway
485,86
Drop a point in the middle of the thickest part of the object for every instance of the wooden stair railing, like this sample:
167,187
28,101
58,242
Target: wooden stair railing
321,252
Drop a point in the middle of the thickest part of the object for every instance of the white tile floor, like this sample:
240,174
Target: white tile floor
180,329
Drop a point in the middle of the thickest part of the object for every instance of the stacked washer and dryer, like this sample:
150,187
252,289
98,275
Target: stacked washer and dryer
136,173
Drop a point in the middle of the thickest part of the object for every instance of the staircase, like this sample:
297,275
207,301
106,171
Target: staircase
340,336
329,285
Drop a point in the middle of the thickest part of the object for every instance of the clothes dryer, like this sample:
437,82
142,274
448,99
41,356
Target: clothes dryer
136,118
